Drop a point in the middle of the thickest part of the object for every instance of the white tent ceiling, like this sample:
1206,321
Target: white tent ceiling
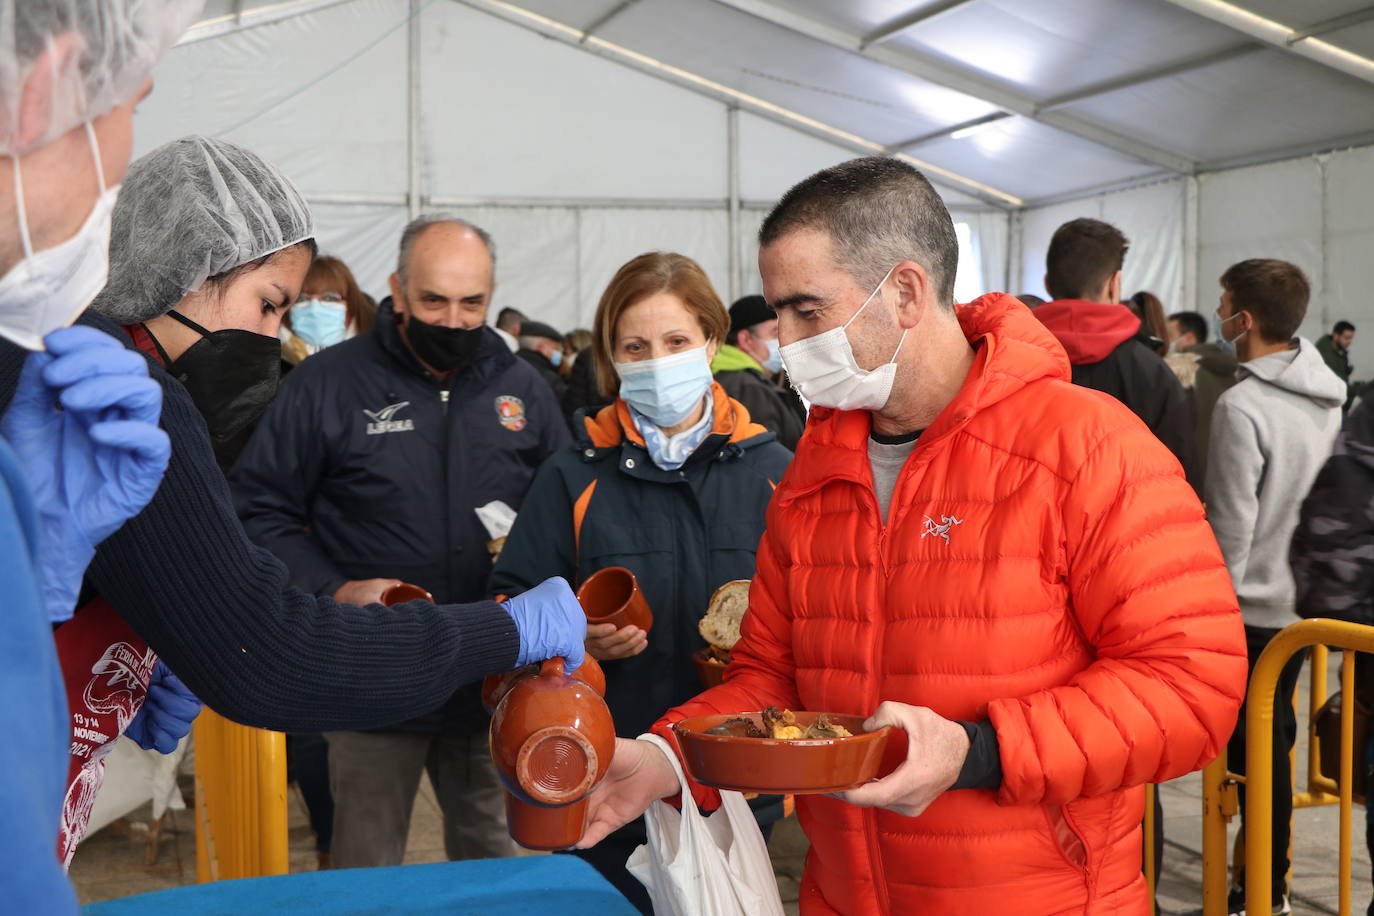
1072,95
581,132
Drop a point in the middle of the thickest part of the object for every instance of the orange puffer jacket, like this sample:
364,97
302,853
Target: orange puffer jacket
1045,565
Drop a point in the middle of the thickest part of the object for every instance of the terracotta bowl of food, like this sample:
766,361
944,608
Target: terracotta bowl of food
731,759
710,666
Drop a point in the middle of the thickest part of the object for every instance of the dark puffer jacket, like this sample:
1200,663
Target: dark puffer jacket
1333,546
367,467
682,533
1110,352
772,406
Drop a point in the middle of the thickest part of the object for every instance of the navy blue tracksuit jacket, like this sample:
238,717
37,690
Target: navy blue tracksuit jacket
366,466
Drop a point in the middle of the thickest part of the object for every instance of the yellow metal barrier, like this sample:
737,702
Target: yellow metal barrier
240,800
1219,788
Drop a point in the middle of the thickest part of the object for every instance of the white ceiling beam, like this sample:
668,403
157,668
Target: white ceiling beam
944,132
1334,24
1281,37
1096,89
962,79
895,27
242,18
602,21
1148,76
1352,141
552,28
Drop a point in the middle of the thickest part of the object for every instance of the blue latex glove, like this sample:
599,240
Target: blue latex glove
166,715
92,464
551,624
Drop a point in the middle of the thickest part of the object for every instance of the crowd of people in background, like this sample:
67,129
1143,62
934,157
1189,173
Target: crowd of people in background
1257,412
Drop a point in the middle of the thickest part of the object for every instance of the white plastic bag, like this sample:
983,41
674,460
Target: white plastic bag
699,865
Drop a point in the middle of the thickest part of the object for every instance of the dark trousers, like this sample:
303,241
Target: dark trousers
307,765
1285,734
608,857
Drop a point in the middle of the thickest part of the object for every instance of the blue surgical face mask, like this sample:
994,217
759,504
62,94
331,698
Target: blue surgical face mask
556,358
320,324
774,361
1219,324
666,389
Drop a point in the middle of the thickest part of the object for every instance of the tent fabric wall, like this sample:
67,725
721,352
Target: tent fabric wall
551,262
1152,219
611,237
1271,211
364,237
601,162
1348,265
573,125
1316,212
335,122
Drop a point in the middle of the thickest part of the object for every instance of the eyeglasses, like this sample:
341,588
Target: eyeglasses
331,298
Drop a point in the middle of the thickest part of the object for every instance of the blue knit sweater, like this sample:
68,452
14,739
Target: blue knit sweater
221,613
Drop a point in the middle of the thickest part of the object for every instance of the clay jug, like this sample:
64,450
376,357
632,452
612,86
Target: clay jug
551,739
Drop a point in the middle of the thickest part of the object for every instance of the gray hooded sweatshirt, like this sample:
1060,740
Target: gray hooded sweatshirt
1270,435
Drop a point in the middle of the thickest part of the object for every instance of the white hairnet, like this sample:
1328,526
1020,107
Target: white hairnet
118,42
190,210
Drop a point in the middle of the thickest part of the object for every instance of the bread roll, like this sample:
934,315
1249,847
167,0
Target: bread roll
724,613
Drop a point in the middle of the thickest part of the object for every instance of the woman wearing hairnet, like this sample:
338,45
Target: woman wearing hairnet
210,246
208,249
70,74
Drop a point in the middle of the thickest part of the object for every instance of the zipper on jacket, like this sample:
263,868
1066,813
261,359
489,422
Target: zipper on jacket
448,491
875,855
879,645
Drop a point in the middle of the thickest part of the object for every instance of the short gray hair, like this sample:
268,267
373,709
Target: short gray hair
877,212
420,223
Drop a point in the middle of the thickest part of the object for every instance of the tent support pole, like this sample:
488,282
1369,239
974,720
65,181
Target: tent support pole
1191,252
1010,254
1016,231
1328,307
736,278
413,93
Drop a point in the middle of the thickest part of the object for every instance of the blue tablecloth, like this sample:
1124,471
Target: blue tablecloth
564,885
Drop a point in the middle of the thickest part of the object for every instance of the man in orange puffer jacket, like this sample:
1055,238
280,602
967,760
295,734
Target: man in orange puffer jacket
968,547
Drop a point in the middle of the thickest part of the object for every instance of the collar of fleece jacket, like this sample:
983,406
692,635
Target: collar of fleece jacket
1013,350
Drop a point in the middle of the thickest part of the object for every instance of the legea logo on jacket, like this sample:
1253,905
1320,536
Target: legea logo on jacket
384,421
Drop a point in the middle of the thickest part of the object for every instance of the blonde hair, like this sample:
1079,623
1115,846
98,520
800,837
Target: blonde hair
334,274
654,272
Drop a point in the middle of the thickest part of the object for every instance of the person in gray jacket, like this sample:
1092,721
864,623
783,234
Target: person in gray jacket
1270,435
1205,369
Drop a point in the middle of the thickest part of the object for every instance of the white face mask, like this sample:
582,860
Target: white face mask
823,369
50,288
